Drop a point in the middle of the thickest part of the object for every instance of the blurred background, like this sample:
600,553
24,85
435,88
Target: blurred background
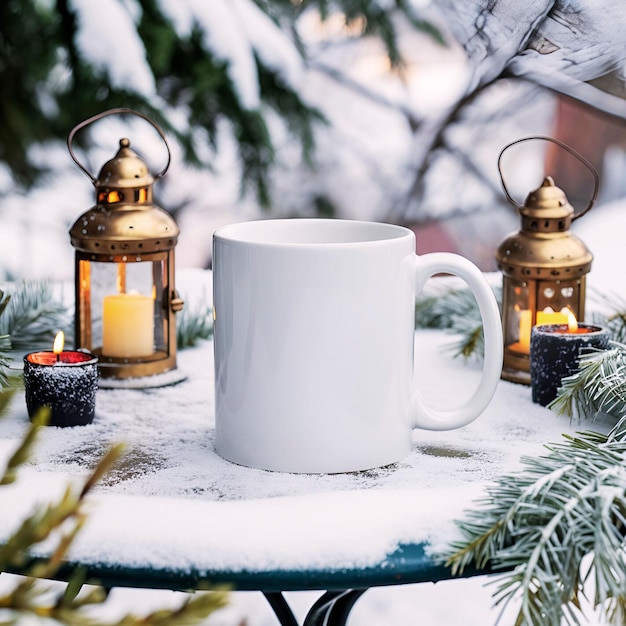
391,111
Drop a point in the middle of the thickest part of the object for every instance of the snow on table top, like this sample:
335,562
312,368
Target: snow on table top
173,502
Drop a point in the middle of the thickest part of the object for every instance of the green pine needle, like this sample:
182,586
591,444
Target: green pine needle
23,451
28,318
598,389
28,599
5,348
456,312
560,522
193,325
5,344
33,314
541,523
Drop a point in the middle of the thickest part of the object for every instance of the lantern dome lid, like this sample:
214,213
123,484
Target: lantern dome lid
521,250
125,170
547,202
130,228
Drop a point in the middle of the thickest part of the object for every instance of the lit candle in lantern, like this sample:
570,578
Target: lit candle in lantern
64,381
127,325
525,326
555,351
127,322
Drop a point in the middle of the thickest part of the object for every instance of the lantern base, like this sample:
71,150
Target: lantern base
516,366
164,379
159,362
516,376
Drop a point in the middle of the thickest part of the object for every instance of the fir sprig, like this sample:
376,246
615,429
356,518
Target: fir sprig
559,523
540,525
32,315
63,520
5,348
5,343
456,312
193,324
29,317
597,389
23,451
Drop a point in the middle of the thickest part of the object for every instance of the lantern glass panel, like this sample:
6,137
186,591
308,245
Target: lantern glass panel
123,309
558,295
527,303
517,305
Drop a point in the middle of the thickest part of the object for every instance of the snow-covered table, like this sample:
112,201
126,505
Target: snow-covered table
173,514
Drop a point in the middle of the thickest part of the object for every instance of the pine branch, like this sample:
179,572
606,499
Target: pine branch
194,324
63,520
33,314
615,321
23,452
193,611
5,343
597,389
29,317
456,312
540,523
5,348
45,520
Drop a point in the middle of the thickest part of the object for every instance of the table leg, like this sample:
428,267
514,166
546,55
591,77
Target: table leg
281,609
331,609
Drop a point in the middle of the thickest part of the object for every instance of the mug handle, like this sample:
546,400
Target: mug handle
424,416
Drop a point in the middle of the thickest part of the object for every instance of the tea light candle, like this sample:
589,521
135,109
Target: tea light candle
555,351
64,381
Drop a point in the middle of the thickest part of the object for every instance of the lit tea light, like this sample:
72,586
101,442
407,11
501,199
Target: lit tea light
65,381
525,326
58,345
555,351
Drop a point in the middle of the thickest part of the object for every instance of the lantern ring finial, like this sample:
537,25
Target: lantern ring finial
116,111
565,147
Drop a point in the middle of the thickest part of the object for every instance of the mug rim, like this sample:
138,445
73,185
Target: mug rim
265,232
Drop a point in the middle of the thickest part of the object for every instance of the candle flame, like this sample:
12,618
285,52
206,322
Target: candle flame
572,324
59,341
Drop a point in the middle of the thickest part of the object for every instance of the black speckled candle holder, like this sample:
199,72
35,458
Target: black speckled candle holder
555,352
67,386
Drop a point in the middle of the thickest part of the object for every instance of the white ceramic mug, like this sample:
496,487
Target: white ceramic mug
314,341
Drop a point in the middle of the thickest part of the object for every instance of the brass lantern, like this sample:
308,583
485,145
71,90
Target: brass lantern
124,273
544,268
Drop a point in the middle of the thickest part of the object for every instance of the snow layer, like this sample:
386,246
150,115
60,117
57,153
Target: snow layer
172,501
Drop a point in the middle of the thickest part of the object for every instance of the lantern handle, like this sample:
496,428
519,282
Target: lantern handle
116,111
565,147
